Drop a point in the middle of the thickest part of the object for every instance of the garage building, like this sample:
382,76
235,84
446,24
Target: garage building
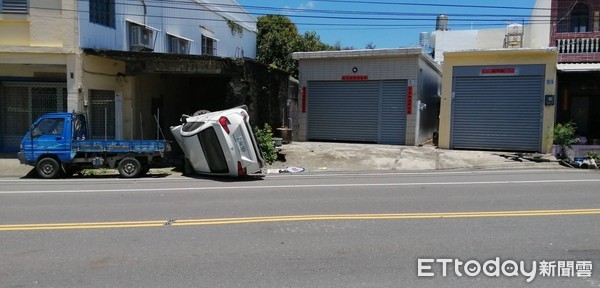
386,96
498,100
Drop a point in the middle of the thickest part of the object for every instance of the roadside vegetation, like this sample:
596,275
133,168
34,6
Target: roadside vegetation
278,38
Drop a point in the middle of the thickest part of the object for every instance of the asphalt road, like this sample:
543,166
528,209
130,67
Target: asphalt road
303,230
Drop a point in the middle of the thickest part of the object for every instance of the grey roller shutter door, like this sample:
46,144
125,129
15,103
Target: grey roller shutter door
365,111
393,112
498,113
343,111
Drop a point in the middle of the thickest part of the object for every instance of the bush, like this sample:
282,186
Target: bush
564,136
265,143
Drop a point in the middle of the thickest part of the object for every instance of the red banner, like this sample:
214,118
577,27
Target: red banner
303,99
355,77
409,98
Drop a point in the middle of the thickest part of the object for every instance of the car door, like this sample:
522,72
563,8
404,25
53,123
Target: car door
48,137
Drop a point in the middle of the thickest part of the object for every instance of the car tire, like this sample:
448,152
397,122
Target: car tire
200,112
47,168
129,168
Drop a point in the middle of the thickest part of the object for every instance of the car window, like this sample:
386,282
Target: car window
191,126
49,126
213,151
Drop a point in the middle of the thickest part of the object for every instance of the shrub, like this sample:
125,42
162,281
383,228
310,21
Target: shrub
265,143
593,155
564,136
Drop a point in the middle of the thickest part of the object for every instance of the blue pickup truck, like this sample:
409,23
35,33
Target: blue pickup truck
57,144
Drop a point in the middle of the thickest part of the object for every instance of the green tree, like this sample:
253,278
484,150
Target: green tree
277,39
310,42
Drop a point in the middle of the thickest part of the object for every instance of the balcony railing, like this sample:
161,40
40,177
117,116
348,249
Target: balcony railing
578,46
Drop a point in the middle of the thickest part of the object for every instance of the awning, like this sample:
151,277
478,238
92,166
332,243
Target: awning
578,67
180,37
144,25
208,33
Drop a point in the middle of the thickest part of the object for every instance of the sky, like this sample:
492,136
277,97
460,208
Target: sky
387,23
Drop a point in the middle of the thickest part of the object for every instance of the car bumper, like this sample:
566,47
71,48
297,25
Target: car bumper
22,157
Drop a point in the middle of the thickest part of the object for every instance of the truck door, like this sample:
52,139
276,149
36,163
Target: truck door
49,137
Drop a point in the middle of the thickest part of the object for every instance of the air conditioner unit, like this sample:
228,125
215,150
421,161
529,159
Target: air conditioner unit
180,46
141,38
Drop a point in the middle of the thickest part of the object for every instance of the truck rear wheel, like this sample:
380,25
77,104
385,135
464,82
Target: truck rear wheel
130,168
47,168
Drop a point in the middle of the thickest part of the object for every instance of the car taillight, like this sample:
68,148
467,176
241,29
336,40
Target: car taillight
241,170
224,121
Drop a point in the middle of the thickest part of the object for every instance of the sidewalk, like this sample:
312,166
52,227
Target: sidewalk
323,157
320,156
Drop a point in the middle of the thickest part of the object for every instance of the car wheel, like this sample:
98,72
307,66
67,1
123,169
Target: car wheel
47,168
130,168
200,112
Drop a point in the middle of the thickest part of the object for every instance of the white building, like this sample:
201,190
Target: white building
198,27
119,61
536,34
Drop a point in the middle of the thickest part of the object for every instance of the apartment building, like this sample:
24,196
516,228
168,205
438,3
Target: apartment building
133,66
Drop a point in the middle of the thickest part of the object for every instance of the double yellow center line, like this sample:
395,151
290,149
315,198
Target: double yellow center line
272,219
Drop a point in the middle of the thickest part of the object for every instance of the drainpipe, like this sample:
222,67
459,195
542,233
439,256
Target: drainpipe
145,11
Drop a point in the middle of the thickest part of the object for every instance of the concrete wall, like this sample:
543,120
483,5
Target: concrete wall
187,19
101,74
50,23
429,87
498,57
445,41
538,31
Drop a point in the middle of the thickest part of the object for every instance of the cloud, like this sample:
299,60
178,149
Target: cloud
307,5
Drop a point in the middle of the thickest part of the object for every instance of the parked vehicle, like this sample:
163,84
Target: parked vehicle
219,143
57,143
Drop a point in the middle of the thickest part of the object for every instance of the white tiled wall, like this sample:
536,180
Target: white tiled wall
390,67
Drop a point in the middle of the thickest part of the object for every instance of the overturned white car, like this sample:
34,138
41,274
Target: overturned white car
219,143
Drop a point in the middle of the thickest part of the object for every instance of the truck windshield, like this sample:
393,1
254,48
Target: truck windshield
49,126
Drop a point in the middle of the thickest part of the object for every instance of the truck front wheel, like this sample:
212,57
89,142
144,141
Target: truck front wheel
47,168
129,168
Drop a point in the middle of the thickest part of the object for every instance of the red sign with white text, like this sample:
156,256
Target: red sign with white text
498,71
355,77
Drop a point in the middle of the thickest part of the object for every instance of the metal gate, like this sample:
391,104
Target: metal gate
393,112
21,103
102,114
498,112
362,111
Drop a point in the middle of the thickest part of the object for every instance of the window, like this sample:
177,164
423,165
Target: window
102,12
213,151
209,46
141,38
580,18
50,126
178,45
13,6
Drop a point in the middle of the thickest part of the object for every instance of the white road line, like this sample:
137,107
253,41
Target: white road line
306,175
307,186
